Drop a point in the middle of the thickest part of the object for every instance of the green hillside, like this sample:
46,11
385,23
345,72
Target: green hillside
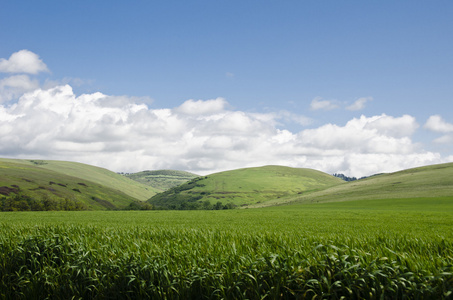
434,181
244,187
162,179
39,185
95,174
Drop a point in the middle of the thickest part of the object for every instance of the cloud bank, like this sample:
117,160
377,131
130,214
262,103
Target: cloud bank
198,136
201,136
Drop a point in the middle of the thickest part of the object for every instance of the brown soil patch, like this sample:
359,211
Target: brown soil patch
6,190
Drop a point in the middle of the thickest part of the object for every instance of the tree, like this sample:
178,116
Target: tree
229,206
207,205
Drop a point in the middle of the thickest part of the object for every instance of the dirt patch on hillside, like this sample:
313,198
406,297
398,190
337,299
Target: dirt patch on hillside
6,190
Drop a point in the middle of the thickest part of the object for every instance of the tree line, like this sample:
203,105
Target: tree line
21,202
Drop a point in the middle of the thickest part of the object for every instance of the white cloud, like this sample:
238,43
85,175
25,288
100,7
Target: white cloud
23,61
200,107
319,104
361,135
198,136
373,163
391,126
359,104
15,86
437,124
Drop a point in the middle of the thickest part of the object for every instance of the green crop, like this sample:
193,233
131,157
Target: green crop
326,251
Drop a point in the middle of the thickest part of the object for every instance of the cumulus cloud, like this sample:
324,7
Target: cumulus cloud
319,104
437,124
23,61
15,86
201,136
391,126
363,135
359,104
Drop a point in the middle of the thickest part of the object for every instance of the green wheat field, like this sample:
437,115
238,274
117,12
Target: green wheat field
372,249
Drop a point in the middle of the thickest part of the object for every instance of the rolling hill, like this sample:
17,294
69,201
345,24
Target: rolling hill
60,185
428,182
80,186
162,179
244,187
95,174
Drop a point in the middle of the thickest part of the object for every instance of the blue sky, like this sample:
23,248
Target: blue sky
295,67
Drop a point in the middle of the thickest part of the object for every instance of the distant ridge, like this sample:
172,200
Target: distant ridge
162,179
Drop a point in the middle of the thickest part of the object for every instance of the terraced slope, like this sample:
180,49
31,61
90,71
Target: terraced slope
162,180
244,187
98,175
434,181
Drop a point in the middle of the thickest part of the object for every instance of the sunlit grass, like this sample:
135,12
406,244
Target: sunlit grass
434,181
14,171
243,187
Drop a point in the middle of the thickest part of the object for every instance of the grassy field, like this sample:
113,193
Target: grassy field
387,249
